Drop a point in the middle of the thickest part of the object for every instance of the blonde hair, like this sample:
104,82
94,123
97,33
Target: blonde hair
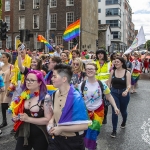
92,64
81,68
137,53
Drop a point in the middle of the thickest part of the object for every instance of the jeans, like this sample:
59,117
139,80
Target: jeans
122,103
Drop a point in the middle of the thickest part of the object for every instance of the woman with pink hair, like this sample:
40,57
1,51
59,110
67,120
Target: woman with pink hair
31,113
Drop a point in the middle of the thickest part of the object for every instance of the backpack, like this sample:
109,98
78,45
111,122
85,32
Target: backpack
106,102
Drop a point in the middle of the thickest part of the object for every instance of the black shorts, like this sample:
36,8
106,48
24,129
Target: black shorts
66,143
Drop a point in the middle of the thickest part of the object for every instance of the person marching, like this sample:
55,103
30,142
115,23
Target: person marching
2,85
120,83
103,73
70,116
6,74
92,91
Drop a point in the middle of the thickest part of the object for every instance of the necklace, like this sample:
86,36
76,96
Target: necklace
63,94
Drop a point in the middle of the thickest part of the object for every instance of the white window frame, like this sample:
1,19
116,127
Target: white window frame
8,42
7,20
53,2
67,18
53,20
70,45
37,21
36,4
21,4
59,39
69,2
7,5
20,24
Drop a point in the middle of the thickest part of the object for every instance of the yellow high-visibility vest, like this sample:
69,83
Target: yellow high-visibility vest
103,72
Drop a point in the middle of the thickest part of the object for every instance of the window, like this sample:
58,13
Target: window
53,21
8,42
7,20
113,12
35,21
36,4
22,22
69,2
7,5
99,10
53,3
59,40
110,2
21,4
69,18
99,21
70,45
116,35
114,23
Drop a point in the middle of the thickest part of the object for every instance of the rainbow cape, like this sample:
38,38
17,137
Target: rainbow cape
74,111
51,89
40,38
72,31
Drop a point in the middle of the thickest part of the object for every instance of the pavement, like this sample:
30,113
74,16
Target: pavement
130,138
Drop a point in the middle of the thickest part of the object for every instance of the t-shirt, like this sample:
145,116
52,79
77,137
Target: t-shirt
1,64
93,94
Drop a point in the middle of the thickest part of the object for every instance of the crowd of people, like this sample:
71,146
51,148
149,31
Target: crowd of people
71,118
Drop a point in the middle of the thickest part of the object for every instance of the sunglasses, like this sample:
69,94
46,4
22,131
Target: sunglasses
75,64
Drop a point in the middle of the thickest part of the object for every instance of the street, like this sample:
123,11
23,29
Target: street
129,138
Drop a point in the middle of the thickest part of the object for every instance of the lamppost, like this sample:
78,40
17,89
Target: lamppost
48,25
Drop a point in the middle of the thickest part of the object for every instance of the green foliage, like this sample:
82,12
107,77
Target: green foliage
147,45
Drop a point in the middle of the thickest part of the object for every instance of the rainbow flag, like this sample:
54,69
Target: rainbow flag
40,38
51,89
74,111
93,130
72,31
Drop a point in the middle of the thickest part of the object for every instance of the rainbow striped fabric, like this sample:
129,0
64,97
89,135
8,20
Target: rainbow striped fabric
74,111
40,38
93,130
51,89
72,31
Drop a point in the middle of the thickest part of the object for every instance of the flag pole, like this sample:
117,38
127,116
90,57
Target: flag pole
80,36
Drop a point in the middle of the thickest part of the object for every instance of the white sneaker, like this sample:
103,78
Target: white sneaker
1,133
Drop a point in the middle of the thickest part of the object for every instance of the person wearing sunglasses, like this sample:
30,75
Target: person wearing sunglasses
78,72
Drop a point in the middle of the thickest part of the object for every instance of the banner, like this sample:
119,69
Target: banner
139,40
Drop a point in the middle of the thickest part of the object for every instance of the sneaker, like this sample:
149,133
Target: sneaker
113,134
12,131
1,133
123,125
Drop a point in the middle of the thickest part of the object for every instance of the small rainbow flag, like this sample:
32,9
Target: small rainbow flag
72,31
40,38
51,89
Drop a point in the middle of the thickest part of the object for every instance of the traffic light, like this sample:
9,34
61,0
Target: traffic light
96,43
27,35
3,30
22,35
75,41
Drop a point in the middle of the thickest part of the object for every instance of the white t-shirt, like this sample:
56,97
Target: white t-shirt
56,54
93,94
1,64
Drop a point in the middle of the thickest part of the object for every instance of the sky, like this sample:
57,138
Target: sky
141,16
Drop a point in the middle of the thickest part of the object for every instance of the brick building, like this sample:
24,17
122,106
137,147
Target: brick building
32,15
7,16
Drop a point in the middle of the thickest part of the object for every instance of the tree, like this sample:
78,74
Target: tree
147,45
0,9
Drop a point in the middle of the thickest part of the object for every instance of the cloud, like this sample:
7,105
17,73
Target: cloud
141,16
